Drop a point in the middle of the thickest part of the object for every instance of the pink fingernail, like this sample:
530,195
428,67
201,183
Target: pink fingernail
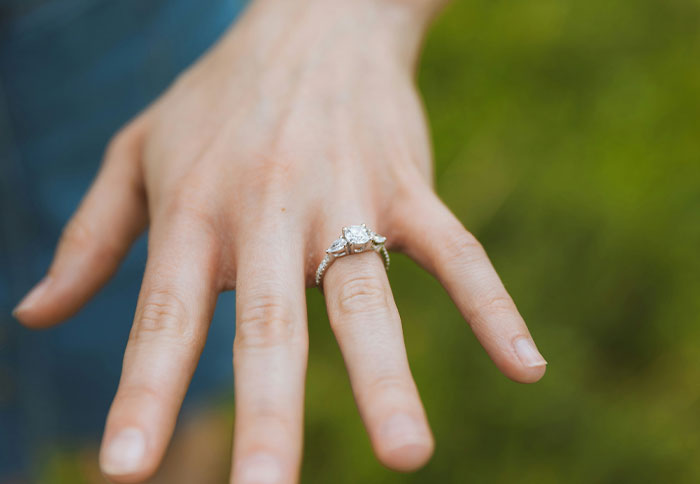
527,352
33,296
124,453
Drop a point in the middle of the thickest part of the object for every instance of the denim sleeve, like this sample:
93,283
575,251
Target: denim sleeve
71,73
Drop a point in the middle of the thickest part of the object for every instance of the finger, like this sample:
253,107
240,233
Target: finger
434,237
174,309
269,358
96,239
367,326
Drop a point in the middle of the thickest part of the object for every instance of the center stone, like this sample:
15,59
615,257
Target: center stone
356,234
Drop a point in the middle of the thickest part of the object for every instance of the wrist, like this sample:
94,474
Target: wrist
391,30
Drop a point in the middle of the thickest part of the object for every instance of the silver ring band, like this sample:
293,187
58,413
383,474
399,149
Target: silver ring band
354,239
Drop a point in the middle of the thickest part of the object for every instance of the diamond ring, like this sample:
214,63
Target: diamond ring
354,240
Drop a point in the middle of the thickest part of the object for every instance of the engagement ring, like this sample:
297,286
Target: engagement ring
354,240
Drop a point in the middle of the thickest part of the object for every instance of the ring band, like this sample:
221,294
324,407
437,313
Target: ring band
354,239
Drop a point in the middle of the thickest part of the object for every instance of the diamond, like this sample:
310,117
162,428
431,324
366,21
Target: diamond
356,234
378,239
337,245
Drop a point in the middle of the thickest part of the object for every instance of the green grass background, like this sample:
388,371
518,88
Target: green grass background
567,138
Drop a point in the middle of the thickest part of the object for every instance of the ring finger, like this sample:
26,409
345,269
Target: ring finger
366,323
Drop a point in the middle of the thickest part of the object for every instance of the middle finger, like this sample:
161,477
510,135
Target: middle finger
269,357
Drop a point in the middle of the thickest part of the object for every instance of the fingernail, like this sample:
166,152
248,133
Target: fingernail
527,352
32,296
124,453
260,469
401,430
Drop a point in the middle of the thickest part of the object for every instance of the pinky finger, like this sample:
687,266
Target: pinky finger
96,239
461,265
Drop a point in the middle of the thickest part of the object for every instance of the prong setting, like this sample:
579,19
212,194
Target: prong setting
354,239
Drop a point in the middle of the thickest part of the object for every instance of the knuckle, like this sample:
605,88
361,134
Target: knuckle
261,423
163,313
388,387
273,172
188,199
191,205
270,412
386,382
80,236
264,322
144,393
278,166
492,306
461,246
362,294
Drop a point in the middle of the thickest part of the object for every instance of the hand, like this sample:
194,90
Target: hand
300,121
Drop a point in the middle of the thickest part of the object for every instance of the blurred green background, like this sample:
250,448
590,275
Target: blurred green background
567,138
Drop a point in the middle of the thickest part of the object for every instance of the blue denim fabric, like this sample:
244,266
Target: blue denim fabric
71,73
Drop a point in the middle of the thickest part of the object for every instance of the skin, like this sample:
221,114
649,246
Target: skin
303,119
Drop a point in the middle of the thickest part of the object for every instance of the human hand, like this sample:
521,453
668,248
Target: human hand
298,122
